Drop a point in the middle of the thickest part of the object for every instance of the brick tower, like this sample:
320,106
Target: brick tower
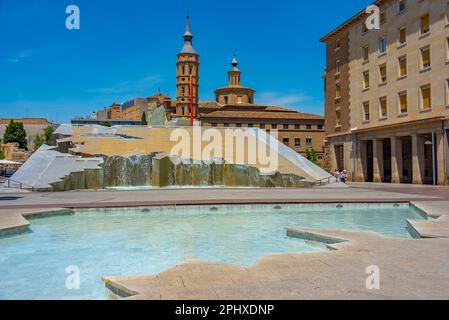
187,67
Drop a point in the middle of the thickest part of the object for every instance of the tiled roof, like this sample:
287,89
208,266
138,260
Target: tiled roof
209,104
234,87
293,115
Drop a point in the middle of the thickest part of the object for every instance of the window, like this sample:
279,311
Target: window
297,142
337,91
214,124
239,99
425,58
366,80
226,125
383,17
383,107
337,67
285,126
338,118
425,24
226,99
274,126
383,73
365,53
403,66
383,45
426,98
308,126
401,5
337,44
402,38
364,28
250,125
297,126
309,142
403,104
262,126
447,49
447,92
320,127
238,125
366,111
286,141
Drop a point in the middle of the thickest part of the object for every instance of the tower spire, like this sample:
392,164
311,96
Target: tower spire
234,63
188,36
234,73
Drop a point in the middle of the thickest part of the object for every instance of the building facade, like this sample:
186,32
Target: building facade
33,127
233,107
395,84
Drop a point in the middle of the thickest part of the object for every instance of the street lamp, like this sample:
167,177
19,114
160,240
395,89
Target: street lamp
432,143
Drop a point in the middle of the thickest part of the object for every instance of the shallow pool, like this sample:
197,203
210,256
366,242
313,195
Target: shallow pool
146,241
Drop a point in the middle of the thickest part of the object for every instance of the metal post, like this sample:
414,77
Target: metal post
433,159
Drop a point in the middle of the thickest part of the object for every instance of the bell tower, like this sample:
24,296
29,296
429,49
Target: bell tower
234,73
187,76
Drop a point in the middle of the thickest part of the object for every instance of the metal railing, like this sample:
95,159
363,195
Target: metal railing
325,181
8,183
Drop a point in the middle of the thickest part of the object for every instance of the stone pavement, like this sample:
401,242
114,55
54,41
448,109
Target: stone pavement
409,269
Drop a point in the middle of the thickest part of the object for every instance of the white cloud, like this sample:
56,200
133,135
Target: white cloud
59,110
135,87
18,57
291,99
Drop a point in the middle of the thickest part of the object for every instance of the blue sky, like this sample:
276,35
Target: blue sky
128,49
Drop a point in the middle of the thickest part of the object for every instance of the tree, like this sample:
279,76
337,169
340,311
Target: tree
48,132
312,156
2,155
106,124
15,132
143,119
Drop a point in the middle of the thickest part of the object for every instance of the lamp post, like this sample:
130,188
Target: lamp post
432,143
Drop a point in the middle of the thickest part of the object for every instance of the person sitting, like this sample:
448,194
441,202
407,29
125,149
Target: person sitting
343,176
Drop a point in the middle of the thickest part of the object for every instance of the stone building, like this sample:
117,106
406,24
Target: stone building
32,126
387,94
233,107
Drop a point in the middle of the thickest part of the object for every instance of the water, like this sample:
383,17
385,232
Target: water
148,241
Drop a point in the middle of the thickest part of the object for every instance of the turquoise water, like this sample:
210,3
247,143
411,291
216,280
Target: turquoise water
148,241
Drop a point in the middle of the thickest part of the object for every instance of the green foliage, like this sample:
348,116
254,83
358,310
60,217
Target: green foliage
143,119
2,155
48,132
38,141
312,156
106,124
15,132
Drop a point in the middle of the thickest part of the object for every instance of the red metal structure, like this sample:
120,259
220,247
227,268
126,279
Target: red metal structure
191,101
